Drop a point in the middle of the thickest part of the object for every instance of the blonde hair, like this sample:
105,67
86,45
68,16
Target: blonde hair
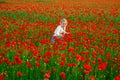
63,20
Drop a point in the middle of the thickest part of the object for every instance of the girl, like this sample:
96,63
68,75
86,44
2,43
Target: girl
60,30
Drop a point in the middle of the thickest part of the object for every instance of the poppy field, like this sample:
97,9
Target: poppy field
90,52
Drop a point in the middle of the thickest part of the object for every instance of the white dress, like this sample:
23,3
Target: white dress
59,30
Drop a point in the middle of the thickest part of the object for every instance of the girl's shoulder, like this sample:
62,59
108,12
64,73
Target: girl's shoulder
59,26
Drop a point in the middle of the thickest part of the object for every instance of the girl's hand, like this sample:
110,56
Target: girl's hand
67,32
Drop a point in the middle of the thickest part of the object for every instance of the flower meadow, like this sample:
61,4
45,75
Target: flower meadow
90,52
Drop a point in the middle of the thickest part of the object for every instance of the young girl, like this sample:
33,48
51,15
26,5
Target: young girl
60,30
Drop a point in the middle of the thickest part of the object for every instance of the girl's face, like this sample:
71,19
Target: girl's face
63,24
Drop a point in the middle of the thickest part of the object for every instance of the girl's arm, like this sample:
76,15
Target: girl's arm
65,31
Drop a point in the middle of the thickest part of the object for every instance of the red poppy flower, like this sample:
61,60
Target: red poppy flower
87,67
117,77
28,64
93,27
19,73
92,77
46,60
63,75
7,36
84,52
2,77
70,49
72,65
93,62
94,54
1,31
7,60
35,52
44,41
47,76
37,58
62,64
37,64
54,70
17,59
78,58
102,66
47,54
99,60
